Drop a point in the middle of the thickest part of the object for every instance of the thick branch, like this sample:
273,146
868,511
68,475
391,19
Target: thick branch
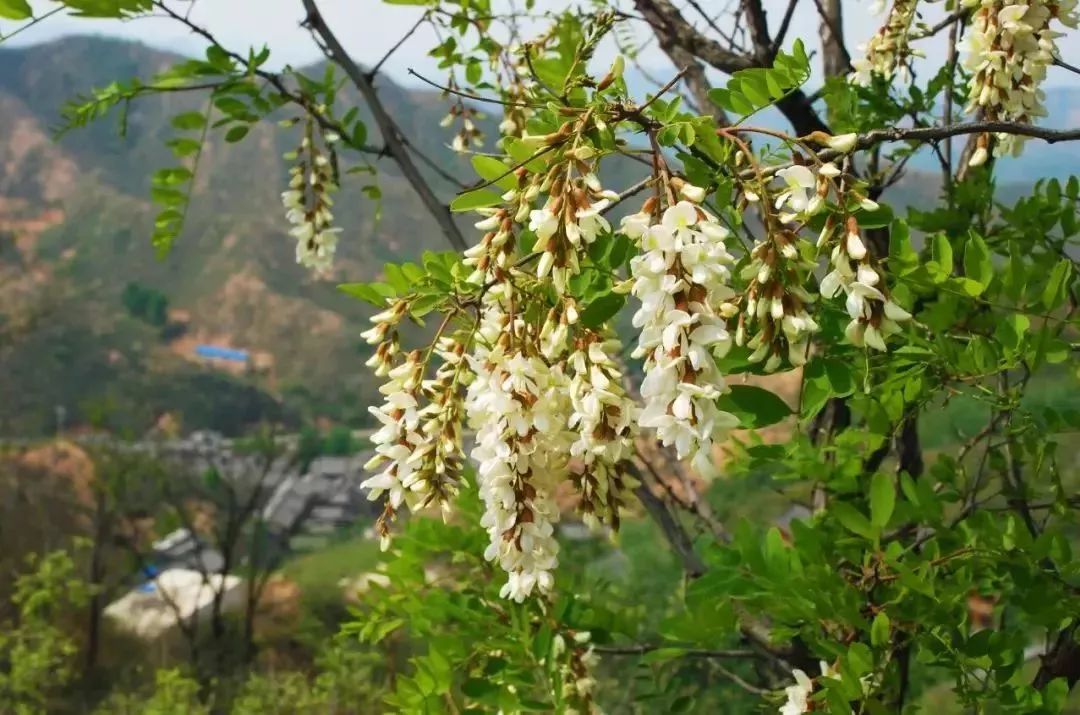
395,142
759,29
667,21
673,531
928,134
672,28
785,24
835,58
1063,661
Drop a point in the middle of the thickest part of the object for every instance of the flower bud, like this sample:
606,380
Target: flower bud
692,193
843,143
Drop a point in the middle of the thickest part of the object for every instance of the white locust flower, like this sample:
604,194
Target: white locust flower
874,315
307,208
517,404
889,50
799,695
681,279
1008,48
565,226
603,420
395,440
800,193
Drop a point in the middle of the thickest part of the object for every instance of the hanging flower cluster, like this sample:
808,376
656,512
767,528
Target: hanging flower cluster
578,683
775,322
604,420
776,316
1008,48
307,203
889,51
418,445
517,90
516,402
468,135
572,217
543,387
874,315
682,280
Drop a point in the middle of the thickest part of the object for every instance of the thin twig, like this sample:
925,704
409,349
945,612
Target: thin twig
1065,65
644,648
467,95
278,83
628,192
663,90
435,166
378,65
36,20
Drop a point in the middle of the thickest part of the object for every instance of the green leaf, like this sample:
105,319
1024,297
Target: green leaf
189,121
1056,286
977,266
374,293
491,169
478,199
231,106
902,256
219,58
183,146
524,153
853,520
754,406
879,630
15,10
941,251
359,134
882,499
237,133
602,309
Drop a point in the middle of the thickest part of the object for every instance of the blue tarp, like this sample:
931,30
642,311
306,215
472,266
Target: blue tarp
214,351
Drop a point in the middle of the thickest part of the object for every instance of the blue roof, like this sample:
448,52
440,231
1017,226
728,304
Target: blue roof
214,351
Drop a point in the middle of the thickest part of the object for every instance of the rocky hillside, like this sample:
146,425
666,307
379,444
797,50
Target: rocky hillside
74,221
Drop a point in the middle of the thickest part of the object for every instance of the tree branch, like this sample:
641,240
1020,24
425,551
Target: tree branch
785,24
836,60
673,531
395,141
276,81
673,29
928,134
756,20
667,22
644,648
378,65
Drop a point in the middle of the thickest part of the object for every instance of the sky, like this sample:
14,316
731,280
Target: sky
368,28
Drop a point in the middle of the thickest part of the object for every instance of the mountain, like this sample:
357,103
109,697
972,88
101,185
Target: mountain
74,222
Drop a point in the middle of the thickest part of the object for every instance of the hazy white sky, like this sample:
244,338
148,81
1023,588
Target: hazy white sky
369,27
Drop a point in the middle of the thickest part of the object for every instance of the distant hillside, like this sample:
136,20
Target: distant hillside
74,221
